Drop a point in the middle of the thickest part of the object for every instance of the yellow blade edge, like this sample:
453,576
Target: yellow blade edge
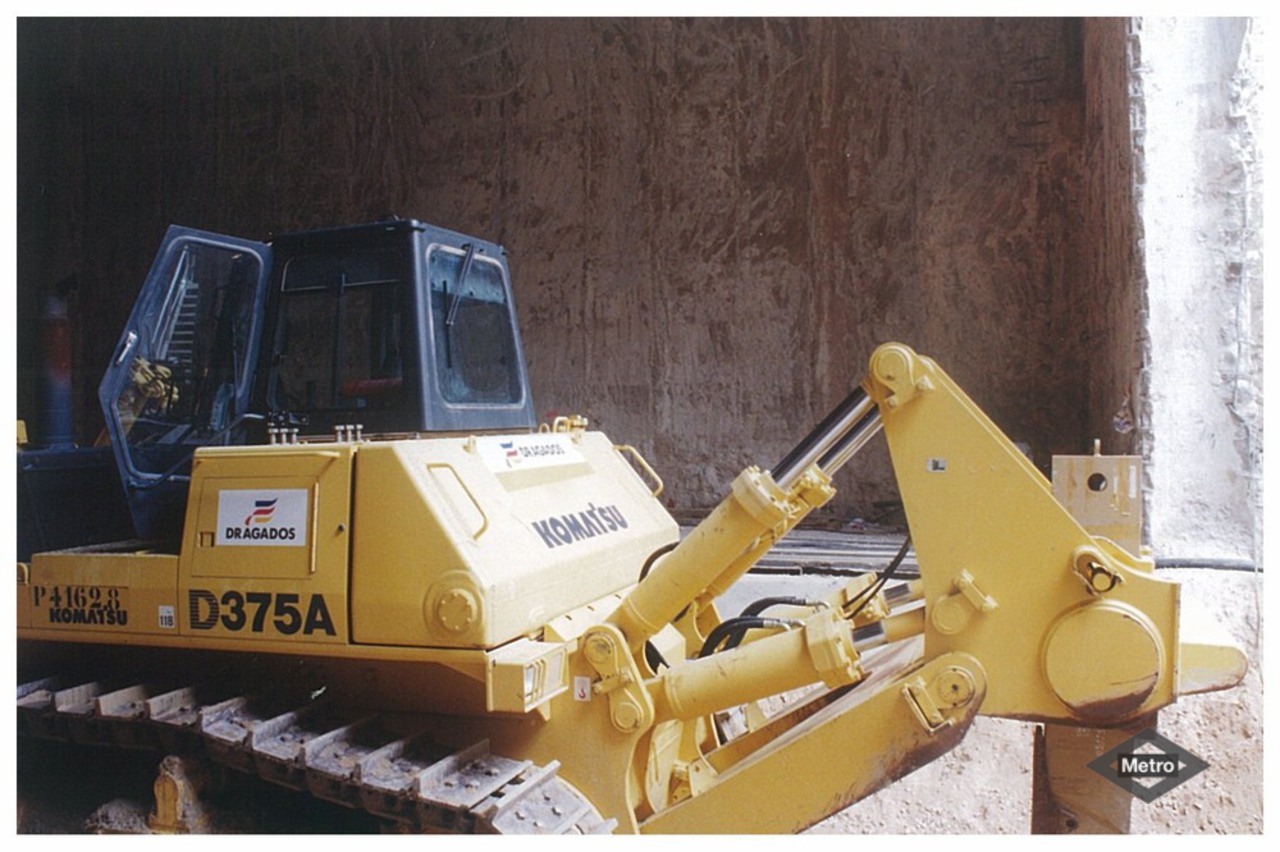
1208,658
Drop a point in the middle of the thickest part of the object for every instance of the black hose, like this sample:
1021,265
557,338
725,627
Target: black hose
868,594
761,605
736,628
654,657
653,557
1216,564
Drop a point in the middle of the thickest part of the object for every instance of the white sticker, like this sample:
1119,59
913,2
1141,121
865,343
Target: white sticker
582,688
935,465
263,517
166,619
527,452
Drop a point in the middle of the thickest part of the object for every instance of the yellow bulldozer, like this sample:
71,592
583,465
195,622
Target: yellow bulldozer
355,565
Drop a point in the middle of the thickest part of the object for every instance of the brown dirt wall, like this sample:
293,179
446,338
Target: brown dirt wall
711,223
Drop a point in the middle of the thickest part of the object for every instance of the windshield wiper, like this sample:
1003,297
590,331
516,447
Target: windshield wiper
462,279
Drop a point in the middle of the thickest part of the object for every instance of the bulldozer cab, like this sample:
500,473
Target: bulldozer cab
400,327
394,327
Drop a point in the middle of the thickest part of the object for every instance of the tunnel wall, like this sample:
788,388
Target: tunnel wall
710,223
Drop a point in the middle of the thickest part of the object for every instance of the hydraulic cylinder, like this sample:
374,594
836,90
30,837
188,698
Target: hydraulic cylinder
822,650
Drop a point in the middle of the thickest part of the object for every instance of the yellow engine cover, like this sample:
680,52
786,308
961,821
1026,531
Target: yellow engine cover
472,542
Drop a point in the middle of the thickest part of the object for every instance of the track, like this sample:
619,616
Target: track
308,743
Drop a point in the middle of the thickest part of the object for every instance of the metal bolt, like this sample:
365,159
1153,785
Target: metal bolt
626,715
599,649
955,686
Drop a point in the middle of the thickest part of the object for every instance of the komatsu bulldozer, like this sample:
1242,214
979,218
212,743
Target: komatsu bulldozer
353,564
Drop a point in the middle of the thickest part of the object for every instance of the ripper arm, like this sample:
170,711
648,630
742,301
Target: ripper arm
1023,613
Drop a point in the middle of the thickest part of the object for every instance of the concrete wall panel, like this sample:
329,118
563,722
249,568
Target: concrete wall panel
1201,209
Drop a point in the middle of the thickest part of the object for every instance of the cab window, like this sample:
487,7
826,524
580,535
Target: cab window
341,339
472,328
192,339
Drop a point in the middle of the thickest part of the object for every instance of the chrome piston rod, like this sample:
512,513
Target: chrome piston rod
744,524
834,441
852,442
824,438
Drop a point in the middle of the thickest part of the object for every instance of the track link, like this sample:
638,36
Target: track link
309,743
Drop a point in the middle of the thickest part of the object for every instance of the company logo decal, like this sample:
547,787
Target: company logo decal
510,453
527,452
1148,765
262,512
263,517
576,526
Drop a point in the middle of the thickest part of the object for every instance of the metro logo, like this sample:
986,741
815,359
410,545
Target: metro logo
1148,765
262,512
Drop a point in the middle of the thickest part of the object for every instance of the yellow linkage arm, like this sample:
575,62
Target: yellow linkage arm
1026,615
1068,627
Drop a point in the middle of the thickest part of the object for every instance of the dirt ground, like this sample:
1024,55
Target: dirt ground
982,786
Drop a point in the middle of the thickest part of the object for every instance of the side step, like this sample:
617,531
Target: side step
310,744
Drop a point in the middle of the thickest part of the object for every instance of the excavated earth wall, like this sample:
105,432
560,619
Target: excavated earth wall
711,223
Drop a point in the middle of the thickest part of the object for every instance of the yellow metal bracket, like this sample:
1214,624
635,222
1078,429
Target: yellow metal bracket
831,649
691,778
894,367
630,707
639,460
951,613
812,491
981,601
1092,569
923,707
952,687
574,425
853,599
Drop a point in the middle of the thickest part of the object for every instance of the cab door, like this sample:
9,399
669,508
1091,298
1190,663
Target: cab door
181,373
